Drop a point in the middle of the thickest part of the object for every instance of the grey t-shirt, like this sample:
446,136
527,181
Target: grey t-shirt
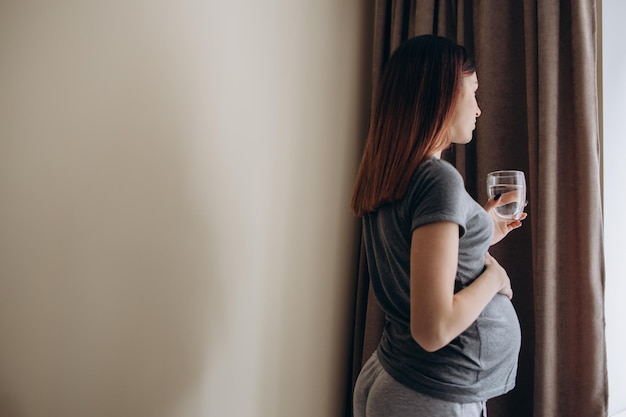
479,364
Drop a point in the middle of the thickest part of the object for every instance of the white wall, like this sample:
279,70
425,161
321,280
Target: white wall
614,150
174,184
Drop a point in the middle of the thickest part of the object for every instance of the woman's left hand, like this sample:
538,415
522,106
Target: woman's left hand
501,227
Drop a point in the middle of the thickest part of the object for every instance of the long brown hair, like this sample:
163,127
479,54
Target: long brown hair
413,109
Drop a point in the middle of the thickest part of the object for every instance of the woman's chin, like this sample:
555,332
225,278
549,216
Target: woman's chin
462,141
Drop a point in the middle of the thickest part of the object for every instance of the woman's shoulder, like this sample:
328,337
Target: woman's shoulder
437,192
438,171
435,178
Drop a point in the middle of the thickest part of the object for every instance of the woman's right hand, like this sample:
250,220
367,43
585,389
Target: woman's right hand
505,282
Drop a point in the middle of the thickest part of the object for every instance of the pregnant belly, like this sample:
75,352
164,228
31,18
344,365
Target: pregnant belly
499,330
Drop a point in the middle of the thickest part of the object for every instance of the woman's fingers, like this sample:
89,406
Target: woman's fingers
492,203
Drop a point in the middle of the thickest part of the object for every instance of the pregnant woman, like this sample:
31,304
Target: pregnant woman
451,338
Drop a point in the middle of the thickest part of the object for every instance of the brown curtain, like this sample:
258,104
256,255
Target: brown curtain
538,94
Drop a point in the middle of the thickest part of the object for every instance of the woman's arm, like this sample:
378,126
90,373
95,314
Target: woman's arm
437,314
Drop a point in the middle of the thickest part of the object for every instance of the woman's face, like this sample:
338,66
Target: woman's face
467,110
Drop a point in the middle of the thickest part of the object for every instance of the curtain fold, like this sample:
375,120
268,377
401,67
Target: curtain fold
536,65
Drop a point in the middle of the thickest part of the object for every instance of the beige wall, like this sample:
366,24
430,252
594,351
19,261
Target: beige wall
174,181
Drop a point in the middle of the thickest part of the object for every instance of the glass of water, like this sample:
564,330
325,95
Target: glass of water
511,185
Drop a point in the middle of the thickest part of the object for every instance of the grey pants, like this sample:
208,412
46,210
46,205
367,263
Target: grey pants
377,394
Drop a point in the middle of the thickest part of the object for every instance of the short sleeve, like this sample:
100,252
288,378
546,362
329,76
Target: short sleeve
436,194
